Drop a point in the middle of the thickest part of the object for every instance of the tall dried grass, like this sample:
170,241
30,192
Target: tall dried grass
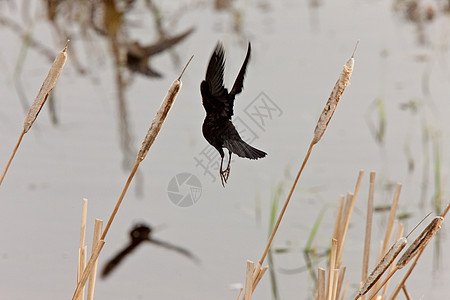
47,86
322,124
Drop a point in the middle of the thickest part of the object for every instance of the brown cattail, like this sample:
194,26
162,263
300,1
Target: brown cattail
148,141
161,115
47,86
421,241
333,100
159,118
382,266
97,233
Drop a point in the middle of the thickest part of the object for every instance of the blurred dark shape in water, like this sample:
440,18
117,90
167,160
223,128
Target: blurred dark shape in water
141,233
138,55
222,4
417,13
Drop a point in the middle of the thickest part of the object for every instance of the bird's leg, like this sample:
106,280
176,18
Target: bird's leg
227,170
221,172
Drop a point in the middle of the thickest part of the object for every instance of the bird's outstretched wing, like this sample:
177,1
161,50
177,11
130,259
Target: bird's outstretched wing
165,43
239,82
115,262
178,249
214,73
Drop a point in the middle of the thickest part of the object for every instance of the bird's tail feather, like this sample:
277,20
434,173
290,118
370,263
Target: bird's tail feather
242,149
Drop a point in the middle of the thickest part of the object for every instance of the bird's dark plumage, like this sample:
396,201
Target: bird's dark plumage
218,129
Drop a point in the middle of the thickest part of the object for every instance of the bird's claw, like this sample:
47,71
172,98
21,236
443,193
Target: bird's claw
224,175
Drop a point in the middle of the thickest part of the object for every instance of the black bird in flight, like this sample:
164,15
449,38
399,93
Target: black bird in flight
218,129
139,234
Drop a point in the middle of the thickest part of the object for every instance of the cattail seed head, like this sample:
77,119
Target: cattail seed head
159,118
421,241
333,100
383,265
47,86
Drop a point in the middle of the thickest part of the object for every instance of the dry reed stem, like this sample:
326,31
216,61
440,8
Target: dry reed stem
368,235
381,267
324,119
400,230
249,280
389,226
321,284
391,219
93,275
333,100
345,290
446,211
82,251
340,281
82,255
347,204
335,284
338,221
331,267
240,293
258,279
83,223
405,277
405,291
153,131
353,198
280,217
47,86
348,210
90,265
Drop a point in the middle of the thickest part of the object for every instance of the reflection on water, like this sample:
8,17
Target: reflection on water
83,22
139,234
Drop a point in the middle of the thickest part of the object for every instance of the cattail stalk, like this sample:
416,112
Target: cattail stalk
416,249
92,277
369,218
321,292
340,281
389,227
331,268
382,266
401,228
351,204
405,291
338,221
47,86
322,124
248,291
153,131
82,252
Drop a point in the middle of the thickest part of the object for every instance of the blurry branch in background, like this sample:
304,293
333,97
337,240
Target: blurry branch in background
322,124
150,137
47,86
26,36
